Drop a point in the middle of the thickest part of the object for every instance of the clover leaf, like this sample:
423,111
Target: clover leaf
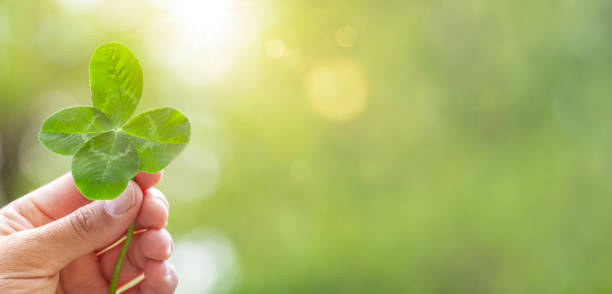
108,147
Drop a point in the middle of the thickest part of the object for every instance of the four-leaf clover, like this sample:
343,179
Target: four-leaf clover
108,147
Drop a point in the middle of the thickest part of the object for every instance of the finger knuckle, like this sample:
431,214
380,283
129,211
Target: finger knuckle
83,222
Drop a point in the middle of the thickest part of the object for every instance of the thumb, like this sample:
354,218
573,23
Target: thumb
86,229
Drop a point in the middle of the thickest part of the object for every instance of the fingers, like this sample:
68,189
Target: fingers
152,248
61,197
160,278
92,226
83,276
155,244
154,212
147,180
152,245
153,216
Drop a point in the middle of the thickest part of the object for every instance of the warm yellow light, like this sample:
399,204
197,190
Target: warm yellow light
201,39
203,18
275,48
337,89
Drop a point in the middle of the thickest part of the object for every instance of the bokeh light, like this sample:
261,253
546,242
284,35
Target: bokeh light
337,89
206,263
195,176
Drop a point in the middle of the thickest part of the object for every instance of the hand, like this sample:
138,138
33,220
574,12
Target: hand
48,240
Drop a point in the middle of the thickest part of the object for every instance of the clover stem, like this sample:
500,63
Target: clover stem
124,249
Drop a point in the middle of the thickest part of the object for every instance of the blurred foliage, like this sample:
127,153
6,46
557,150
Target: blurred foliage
351,146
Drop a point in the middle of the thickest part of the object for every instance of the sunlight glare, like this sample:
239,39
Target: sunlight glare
210,17
201,40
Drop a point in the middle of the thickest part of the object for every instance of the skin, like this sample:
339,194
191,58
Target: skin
48,240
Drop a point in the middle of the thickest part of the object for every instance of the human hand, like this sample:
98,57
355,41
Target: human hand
49,239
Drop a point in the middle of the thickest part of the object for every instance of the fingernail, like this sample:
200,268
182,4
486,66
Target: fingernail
122,203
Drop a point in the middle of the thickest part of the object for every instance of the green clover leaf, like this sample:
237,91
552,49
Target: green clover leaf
115,78
108,147
159,135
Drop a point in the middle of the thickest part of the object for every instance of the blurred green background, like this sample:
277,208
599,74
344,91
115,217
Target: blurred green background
350,146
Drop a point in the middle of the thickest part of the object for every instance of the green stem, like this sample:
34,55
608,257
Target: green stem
126,245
